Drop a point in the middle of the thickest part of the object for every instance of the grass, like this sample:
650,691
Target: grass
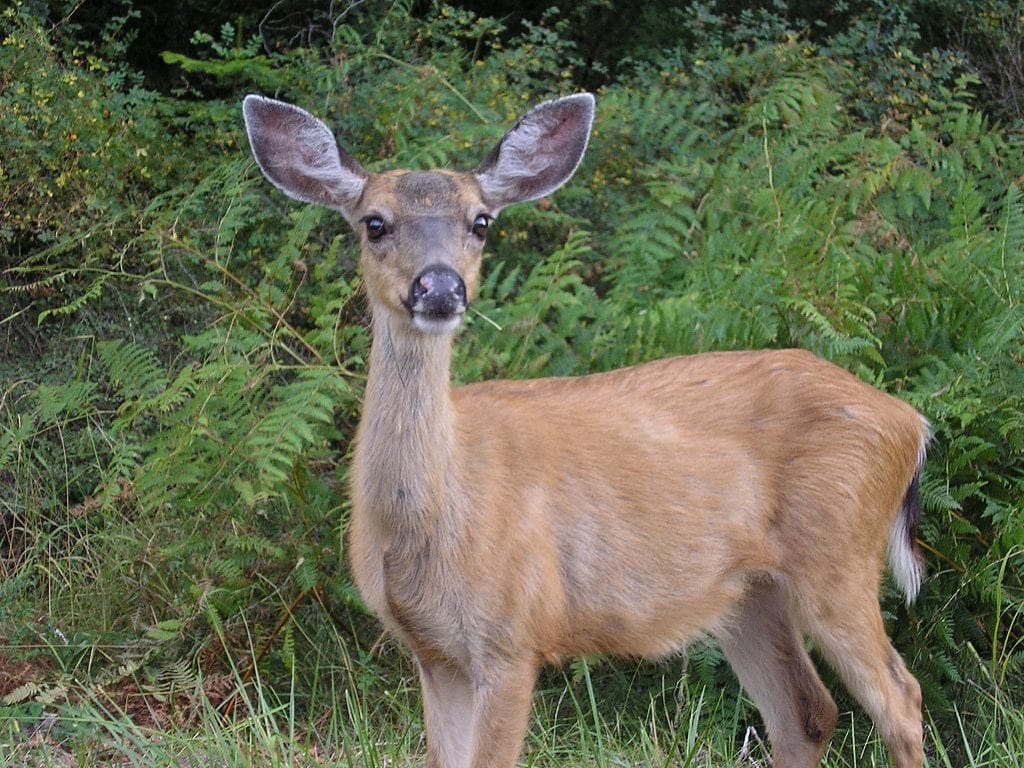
162,694
340,713
165,697
134,691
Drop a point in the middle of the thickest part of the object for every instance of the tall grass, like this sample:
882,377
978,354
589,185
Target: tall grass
333,714
93,733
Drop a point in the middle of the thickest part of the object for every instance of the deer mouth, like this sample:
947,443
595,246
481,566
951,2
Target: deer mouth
437,322
437,300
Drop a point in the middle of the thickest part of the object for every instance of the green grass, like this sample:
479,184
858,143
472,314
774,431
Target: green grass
163,696
129,689
340,713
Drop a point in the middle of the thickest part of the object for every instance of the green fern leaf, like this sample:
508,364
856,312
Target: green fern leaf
133,369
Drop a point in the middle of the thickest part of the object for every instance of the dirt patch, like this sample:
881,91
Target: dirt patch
14,674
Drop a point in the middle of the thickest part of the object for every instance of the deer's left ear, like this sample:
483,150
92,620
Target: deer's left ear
540,154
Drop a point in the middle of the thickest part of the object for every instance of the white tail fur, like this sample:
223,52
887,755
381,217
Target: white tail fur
905,560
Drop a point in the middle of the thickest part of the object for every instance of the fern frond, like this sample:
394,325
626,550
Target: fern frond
14,438
177,674
132,368
61,401
228,570
91,293
839,343
1011,244
303,408
288,645
306,575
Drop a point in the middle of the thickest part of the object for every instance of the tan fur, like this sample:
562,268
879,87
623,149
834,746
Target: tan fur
632,511
507,524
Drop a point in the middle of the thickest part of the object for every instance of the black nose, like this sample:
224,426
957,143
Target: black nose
437,292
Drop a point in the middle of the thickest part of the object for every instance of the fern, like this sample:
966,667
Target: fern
133,370
14,437
539,322
839,344
229,571
59,402
90,294
650,245
290,427
306,575
198,453
175,675
1009,242
288,646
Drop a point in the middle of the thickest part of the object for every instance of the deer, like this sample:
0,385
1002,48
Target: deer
500,526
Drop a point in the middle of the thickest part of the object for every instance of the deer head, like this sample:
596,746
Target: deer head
422,232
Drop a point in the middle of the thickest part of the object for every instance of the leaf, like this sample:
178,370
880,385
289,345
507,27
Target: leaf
163,631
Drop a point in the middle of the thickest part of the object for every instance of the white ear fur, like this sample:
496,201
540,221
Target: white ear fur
539,154
300,156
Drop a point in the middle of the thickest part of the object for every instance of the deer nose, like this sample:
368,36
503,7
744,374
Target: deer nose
437,293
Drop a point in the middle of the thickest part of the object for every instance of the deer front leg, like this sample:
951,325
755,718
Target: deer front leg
504,699
476,724
447,714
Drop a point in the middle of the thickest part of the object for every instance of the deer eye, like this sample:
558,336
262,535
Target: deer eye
480,225
375,227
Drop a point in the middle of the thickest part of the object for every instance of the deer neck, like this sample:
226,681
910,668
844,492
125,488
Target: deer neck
407,430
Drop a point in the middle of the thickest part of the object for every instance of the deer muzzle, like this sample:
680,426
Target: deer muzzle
437,299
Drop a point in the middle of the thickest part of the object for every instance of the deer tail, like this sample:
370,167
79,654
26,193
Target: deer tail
905,559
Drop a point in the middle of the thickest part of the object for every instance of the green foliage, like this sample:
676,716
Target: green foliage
527,326
89,146
186,348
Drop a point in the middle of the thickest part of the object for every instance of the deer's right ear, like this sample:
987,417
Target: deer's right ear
300,156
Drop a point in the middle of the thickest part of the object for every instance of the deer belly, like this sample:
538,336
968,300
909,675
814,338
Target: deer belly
652,626
650,607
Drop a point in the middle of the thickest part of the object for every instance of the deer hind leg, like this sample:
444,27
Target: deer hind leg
846,624
766,651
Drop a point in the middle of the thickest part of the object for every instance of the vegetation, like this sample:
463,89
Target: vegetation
183,350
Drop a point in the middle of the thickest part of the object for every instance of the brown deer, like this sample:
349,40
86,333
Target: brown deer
503,525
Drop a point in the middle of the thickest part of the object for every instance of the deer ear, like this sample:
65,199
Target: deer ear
300,156
540,154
